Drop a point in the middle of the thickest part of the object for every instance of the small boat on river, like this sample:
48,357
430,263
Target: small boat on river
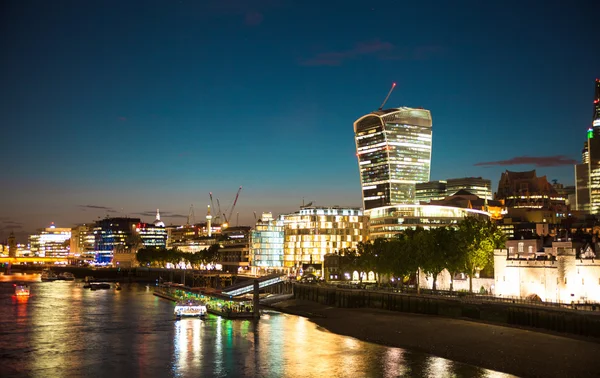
87,282
48,276
117,286
21,290
99,286
66,276
189,307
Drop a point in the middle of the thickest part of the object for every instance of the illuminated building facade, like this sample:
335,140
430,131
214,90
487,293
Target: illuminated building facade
83,240
51,242
234,254
525,190
389,221
114,235
430,190
266,245
151,236
481,187
393,147
313,232
587,174
564,272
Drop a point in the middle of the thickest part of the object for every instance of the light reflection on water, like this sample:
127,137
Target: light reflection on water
63,330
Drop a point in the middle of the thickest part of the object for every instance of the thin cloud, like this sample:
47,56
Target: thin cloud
9,222
10,227
538,161
336,58
96,207
122,119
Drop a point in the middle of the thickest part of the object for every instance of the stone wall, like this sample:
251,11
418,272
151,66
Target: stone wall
555,319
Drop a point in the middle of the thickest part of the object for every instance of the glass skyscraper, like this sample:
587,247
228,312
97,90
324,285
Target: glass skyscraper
587,174
393,147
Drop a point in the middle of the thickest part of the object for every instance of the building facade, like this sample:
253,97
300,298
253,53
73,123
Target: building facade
313,232
393,148
587,174
114,235
266,245
563,272
389,221
83,241
481,187
51,242
430,191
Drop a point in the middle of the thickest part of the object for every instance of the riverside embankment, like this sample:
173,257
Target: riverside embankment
516,351
576,322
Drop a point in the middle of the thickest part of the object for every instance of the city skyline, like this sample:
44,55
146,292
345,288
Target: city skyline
130,119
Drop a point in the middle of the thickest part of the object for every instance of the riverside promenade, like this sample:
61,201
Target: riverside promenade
517,351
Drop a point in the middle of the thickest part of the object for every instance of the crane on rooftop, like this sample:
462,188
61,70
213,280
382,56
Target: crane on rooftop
387,97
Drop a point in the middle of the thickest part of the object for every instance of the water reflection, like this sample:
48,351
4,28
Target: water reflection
64,330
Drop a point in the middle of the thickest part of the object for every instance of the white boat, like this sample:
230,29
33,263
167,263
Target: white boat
189,308
66,276
21,290
48,275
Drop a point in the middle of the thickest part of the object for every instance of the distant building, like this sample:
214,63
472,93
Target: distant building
438,190
564,272
393,148
83,241
587,174
431,190
313,232
387,222
51,242
114,235
467,200
481,187
151,235
235,249
525,190
266,245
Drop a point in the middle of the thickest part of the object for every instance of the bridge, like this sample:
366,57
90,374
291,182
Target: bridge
35,259
248,286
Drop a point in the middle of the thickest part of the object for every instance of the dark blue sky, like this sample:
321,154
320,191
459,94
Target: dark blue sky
135,107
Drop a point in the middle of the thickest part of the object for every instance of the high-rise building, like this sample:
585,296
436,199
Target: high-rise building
51,242
114,235
266,245
430,191
587,174
393,147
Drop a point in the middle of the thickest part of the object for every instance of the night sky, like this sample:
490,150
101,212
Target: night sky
121,107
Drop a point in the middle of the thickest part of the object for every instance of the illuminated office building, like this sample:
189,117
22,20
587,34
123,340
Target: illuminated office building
393,147
151,235
430,191
389,221
114,235
83,240
266,245
587,174
51,242
313,232
478,186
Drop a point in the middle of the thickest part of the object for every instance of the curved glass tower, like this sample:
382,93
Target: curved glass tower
393,147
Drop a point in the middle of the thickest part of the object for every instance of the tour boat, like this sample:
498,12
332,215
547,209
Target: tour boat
48,275
66,276
21,290
99,285
189,308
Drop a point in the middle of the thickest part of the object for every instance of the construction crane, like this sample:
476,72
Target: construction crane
191,217
388,96
212,206
255,217
219,210
228,218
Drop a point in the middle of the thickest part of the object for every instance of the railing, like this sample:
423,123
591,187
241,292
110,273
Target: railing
470,297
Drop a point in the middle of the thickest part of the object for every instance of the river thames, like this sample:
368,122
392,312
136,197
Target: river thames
64,330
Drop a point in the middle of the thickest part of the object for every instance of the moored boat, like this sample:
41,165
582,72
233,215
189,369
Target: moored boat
48,275
87,282
66,276
99,286
21,290
117,286
189,308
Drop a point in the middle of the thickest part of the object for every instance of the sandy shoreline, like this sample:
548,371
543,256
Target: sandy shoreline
510,350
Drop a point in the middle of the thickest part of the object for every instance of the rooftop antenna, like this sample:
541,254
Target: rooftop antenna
388,96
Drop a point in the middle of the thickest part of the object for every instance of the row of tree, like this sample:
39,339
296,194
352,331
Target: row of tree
161,257
466,248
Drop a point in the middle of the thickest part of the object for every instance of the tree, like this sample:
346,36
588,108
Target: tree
440,248
478,238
